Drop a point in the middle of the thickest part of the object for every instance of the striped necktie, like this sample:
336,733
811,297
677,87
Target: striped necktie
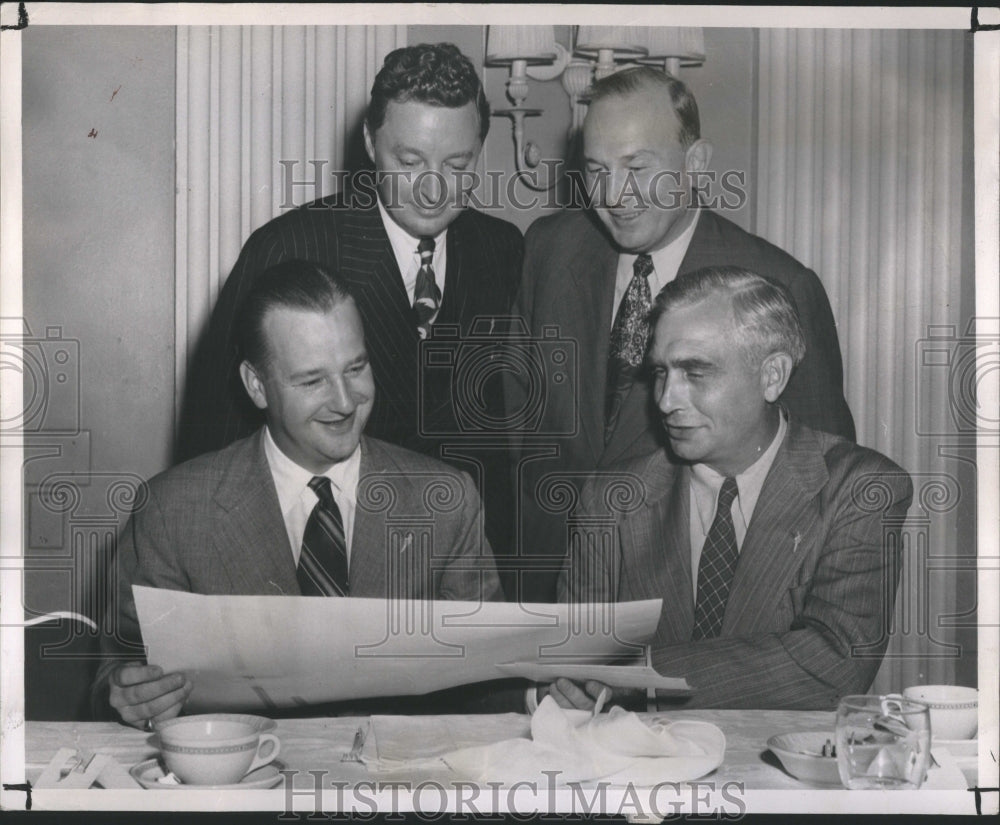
426,295
716,568
629,337
322,567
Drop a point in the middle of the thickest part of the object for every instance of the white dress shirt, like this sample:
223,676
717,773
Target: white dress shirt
666,264
705,486
404,247
297,499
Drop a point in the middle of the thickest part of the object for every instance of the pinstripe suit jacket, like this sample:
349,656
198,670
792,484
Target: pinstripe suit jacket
812,596
484,267
213,525
569,282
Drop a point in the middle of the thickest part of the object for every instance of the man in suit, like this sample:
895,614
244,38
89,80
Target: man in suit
591,276
418,262
296,508
774,546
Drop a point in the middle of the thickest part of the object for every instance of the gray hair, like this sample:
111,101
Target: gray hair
766,319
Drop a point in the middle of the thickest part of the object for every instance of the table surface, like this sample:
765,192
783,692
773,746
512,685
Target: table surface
317,744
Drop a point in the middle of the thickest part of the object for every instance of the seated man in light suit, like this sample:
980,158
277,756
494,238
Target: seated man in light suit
256,518
771,544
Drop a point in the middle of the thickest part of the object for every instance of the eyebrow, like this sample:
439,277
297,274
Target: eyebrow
694,363
639,153
401,149
298,376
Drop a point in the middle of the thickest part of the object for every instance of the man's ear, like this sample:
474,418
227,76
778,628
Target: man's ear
775,371
369,142
698,156
254,385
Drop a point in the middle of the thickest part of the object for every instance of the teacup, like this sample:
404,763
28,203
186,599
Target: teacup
215,748
954,709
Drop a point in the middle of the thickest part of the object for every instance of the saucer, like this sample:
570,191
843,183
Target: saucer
958,747
150,775
801,755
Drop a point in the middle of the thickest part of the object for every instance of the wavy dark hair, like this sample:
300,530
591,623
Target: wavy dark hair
435,73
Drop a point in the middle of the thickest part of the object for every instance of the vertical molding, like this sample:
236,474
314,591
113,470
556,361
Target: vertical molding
860,174
248,97
180,220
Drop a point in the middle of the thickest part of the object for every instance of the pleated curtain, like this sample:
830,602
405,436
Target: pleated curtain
248,99
860,163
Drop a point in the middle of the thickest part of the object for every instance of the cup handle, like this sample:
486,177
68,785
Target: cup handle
892,705
268,749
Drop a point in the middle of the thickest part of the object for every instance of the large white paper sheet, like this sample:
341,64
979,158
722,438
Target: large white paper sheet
265,652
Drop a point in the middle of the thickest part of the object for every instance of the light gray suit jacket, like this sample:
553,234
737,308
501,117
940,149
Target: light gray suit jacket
809,608
213,525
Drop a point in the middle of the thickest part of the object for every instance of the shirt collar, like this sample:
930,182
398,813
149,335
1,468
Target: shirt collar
706,482
290,480
404,245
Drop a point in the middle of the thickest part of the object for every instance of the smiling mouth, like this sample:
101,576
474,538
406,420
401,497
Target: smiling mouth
679,430
625,218
336,424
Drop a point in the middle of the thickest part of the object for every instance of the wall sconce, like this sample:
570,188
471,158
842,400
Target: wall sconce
609,44
520,47
672,47
532,51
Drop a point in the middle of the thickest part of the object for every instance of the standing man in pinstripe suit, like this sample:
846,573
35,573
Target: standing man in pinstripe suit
406,242
772,545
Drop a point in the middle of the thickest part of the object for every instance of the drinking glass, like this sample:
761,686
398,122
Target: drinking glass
883,742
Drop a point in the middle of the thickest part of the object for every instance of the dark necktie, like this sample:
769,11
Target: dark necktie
629,337
426,295
322,567
715,570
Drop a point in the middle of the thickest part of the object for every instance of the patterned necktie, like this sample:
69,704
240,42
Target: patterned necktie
322,567
629,337
715,570
426,295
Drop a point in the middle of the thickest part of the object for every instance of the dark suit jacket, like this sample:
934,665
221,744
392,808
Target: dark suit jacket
483,270
568,282
213,525
808,614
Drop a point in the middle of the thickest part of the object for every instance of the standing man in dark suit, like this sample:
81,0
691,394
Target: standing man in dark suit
417,260
592,274
299,507
774,546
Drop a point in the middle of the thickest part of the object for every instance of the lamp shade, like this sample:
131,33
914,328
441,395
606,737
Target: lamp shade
505,44
624,41
687,43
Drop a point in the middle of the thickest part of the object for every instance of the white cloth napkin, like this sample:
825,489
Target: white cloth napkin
617,747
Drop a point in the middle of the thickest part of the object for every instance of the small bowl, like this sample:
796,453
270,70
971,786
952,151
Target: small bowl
801,754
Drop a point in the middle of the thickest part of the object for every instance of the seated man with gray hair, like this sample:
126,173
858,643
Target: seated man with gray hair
773,546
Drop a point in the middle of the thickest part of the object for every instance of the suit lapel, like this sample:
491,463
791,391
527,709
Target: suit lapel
591,268
249,537
458,272
369,566
634,422
658,536
773,548
705,246
369,265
